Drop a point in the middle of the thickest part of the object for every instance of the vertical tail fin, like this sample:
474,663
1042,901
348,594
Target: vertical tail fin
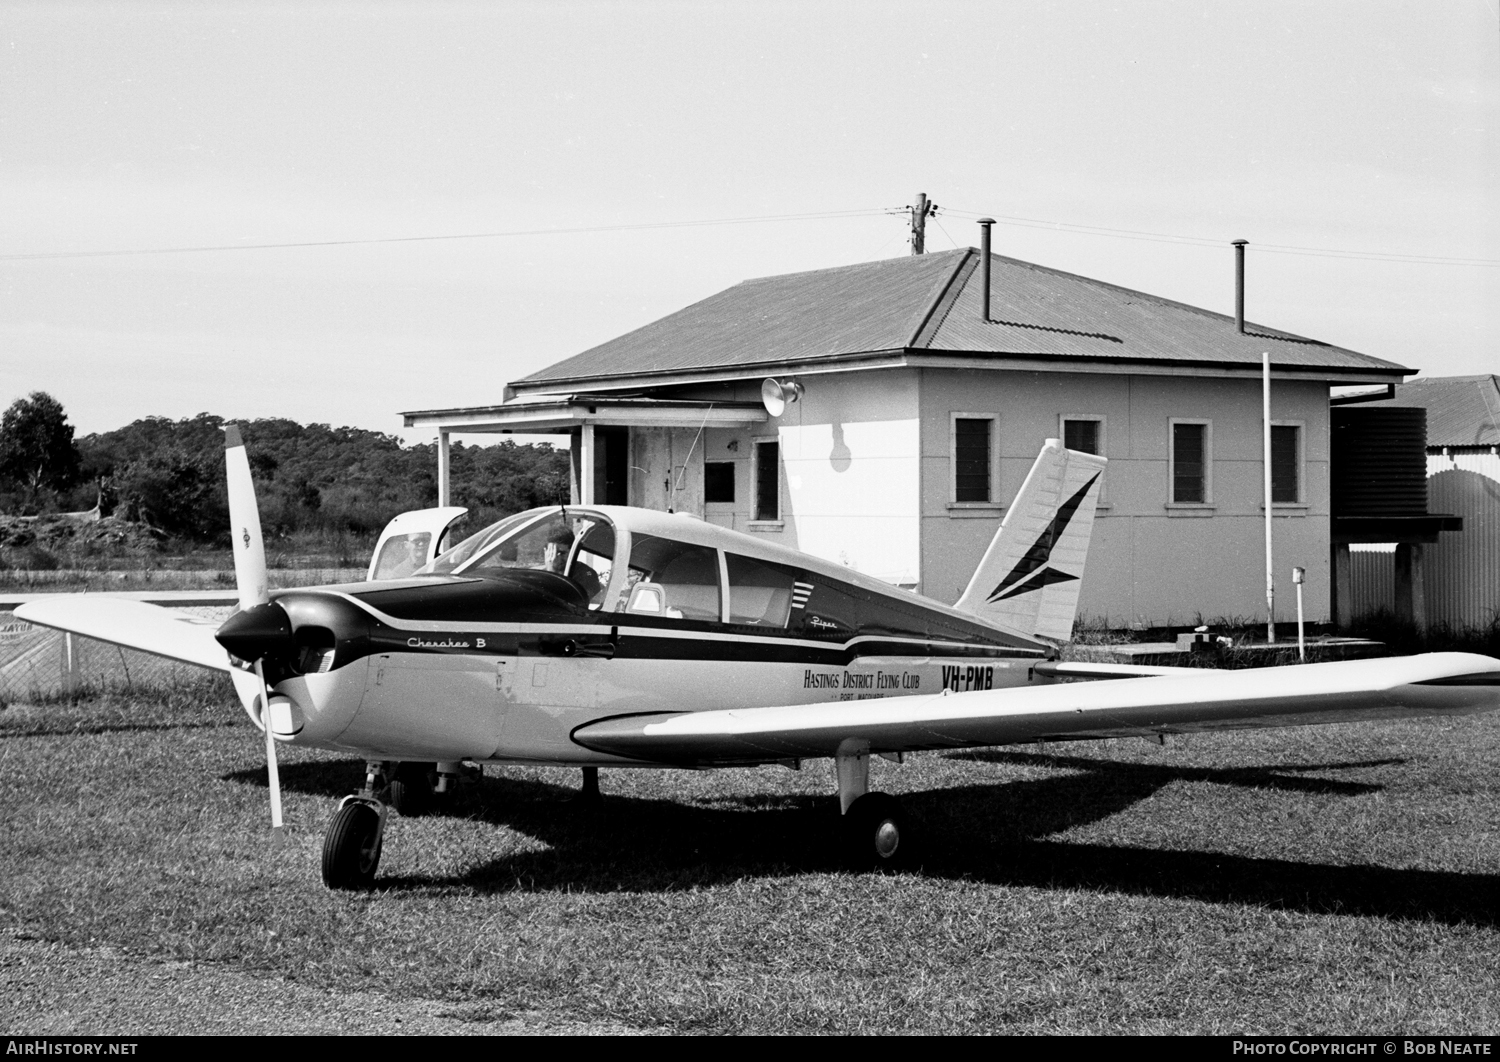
1029,578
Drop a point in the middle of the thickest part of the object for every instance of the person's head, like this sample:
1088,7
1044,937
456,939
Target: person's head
558,545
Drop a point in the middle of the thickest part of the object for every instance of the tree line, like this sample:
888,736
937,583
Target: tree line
169,474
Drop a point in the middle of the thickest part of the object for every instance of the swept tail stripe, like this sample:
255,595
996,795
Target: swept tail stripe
1041,549
1045,577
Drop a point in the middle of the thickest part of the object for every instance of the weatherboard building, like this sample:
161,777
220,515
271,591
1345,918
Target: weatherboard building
913,408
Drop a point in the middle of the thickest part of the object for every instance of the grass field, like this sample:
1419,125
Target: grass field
1334,879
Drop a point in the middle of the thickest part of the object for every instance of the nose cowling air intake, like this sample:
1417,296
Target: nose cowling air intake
259,633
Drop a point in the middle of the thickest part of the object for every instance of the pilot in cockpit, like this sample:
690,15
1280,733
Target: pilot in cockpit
555,553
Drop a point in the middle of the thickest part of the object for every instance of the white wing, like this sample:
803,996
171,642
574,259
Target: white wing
133,624
1435,683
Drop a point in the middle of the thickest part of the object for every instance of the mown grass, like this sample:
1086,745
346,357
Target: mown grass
1322,880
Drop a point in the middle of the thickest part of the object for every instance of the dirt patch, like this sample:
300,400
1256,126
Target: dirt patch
55,541
48,989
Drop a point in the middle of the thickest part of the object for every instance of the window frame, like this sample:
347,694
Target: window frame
756,521
1301,502
626,593
1103,422
734,484
728,589
994,463
1208,464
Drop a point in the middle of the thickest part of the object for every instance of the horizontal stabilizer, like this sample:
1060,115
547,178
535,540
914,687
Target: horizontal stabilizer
1339,691
133,624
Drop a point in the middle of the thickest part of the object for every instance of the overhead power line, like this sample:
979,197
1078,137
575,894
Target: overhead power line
1202,241
1002,219
821,215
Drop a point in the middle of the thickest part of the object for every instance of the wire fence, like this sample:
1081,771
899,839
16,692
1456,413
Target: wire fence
38,662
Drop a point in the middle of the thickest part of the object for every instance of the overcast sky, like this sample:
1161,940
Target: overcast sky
1354,127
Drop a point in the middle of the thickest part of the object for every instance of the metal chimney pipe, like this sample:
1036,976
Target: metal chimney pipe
984,258
1239,285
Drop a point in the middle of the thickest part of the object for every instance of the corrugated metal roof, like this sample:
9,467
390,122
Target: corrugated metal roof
1461,410
825,313
931,302
1039,311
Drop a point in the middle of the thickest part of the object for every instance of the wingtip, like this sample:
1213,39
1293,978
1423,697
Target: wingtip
232,436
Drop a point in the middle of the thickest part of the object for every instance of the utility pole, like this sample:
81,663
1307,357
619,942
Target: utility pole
919,215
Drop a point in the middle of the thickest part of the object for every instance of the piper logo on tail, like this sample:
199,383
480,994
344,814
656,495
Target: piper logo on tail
1030,572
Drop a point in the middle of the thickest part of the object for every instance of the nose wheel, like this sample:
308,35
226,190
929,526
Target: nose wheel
351,845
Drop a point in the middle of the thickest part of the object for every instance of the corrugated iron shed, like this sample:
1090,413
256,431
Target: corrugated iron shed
1461,410
930,304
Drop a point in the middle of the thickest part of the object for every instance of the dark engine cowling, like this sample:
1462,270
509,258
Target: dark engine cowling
303,632
300,632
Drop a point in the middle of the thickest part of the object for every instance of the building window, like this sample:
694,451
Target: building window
768,480
1192,462
718,481
1085,434
1286,464
973,447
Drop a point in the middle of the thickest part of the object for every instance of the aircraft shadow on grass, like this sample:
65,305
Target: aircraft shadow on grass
998,833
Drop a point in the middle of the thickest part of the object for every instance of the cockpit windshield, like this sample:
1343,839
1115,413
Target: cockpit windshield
475,544
577,546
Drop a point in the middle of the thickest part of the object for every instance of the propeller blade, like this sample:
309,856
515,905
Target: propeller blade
258,626
244,523
273,776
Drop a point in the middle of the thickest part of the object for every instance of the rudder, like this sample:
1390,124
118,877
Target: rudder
1029,579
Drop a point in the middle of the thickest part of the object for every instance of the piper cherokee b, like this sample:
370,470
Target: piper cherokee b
608,636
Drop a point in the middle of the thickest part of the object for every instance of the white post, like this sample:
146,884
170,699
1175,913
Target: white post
1299,575
586,466
444,494
70,669
1265,393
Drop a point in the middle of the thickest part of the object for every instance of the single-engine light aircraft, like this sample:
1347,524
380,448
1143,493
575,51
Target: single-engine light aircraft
608,636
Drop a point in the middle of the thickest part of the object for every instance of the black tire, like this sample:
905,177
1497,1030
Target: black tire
877,834
351,848
412,792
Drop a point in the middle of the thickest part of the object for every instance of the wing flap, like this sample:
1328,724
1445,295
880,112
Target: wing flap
134,624
1311,693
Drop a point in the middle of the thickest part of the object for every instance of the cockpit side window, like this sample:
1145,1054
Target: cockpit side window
686,575
402,555
760,593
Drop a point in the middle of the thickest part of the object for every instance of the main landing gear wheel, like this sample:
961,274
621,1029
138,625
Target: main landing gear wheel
351,847
876,834
411,791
